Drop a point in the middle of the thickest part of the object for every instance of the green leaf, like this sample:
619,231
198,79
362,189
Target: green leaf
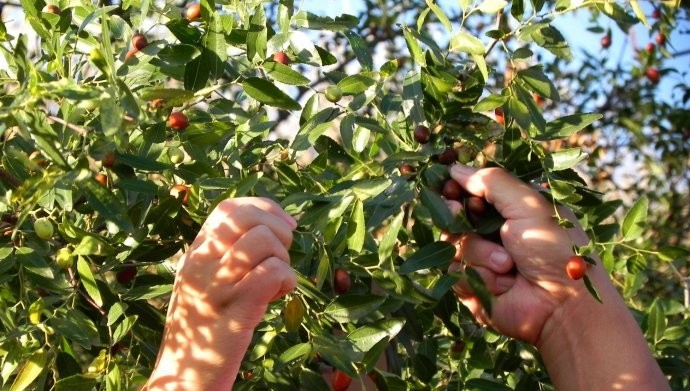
565,126
350,308
314,127
474,279
108,205
355,84
536,81
124,327
76,383
413,93
295,353
656,322
467,43
441,15
437,254
517,9
30,370
440,213
370,188
387,243
489,103
361,49
266,92
365,337
492,6
564,159
635,221
285,74
196,73
414,47
314,22
88,281
548,37
147,292
184,32
639,13
356,228
591,288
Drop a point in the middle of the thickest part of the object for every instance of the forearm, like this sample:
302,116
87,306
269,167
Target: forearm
185,364
587,345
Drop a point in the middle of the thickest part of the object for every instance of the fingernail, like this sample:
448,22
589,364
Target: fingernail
462,170
498,258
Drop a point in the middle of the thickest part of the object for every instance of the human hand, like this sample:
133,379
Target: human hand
237,264
527,273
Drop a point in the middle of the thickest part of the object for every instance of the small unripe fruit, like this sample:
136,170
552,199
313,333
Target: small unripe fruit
176,155
465,154
178,121
101,178
109,159
452,190
126,274
606,41
282,58
341,281
576,267
500,118
193,12
51,9
64,258
661,39
340,380
650,48
44,228
422,134
180,192
653,75
333,93
139,41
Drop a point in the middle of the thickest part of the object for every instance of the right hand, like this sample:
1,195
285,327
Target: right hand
527,274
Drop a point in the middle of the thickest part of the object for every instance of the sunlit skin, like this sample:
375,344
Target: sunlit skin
222,289
225,282
584,344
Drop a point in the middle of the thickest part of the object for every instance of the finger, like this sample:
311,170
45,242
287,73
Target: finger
512,198
269,206
268,281
475,306
496,284
453,239
477,251
258,244
229,221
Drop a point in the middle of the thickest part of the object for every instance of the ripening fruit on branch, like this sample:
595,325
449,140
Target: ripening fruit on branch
661,39
421,134
333,93
340,380
452,190
606,41
101,178
51,9
139,41
180,192
653,75
126,275
650,48
282,58
341,281
406,169
500,118
576,267
656,14
448,157
176,155
109,159
178,121
193,12
44,228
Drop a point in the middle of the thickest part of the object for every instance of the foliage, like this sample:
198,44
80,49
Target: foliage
85,308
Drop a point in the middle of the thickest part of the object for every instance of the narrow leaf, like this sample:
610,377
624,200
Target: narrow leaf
266,92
